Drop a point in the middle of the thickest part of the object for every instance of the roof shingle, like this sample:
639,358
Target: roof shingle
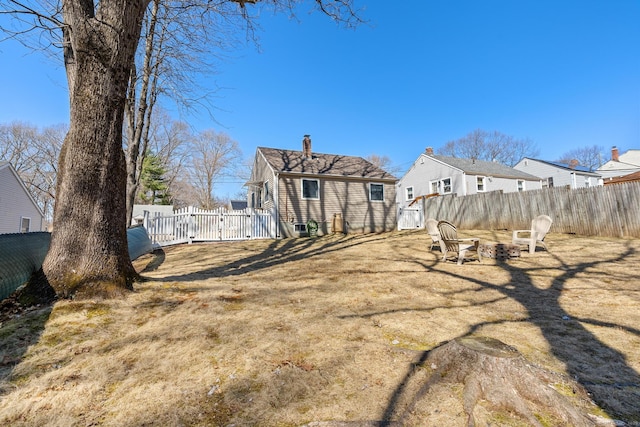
291,161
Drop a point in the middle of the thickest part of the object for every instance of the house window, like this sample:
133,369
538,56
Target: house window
443,186
265,192
587,181
549,182
376,192
25,224
300,228
310,189
480,184
520,185
409,193
446,186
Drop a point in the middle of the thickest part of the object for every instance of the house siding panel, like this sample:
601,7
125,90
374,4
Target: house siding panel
15,203
349,198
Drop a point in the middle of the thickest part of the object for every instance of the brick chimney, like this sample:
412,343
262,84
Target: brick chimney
573,163
306,147
614,154
429,151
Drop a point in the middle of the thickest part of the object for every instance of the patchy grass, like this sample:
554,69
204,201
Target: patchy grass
284,333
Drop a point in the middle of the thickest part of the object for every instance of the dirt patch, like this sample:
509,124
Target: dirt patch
332,331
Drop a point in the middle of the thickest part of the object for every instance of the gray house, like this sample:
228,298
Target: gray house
340,193
555,174
431,174
19,212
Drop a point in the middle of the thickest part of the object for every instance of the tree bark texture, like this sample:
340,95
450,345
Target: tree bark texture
88,255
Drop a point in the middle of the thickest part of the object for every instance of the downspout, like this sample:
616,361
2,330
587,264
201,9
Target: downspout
464,180
276,202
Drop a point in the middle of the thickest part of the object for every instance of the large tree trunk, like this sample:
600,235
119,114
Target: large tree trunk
88,254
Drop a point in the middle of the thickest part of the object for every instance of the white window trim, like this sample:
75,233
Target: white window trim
22,219
407,196
371,198
441,185
484,184
523,185
302,180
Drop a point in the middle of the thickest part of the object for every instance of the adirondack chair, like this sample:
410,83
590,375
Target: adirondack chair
452,245
539,228
432,229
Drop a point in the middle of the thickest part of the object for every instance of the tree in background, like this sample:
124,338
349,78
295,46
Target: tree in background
34,154
88,255
154,189
176,45
490,146
384,163
214,155
589,157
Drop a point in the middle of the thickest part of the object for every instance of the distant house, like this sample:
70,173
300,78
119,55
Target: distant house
137,216
620,165
632,177
237,205
19,212
556,174
340,193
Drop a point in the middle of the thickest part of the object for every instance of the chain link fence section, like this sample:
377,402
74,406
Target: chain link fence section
22,254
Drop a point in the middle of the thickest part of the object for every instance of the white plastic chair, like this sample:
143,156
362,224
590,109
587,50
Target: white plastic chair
539,228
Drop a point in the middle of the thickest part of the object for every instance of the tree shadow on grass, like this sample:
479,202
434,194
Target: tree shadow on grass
601,370
277,253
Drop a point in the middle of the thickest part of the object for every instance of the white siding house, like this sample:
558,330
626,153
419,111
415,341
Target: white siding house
444,175
19,212
620,164
555,174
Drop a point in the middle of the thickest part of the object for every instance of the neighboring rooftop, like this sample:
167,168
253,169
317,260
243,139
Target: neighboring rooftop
482,167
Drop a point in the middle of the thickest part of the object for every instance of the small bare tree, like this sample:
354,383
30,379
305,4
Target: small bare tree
383,162
215,155
34,154
490,146
589,157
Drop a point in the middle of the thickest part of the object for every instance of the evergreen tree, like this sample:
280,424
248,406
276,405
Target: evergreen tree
154,188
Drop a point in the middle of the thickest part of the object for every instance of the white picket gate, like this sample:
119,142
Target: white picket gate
410,218
191,224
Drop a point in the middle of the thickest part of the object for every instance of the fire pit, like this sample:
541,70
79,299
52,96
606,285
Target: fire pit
499,250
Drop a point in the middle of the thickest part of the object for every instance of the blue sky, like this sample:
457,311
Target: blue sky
564,73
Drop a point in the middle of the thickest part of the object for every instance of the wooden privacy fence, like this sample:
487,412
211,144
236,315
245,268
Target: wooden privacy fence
608,211
191,224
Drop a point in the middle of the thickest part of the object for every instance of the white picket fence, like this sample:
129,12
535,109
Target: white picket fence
191,224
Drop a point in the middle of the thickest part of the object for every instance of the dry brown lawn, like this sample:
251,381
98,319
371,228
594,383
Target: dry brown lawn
300,331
